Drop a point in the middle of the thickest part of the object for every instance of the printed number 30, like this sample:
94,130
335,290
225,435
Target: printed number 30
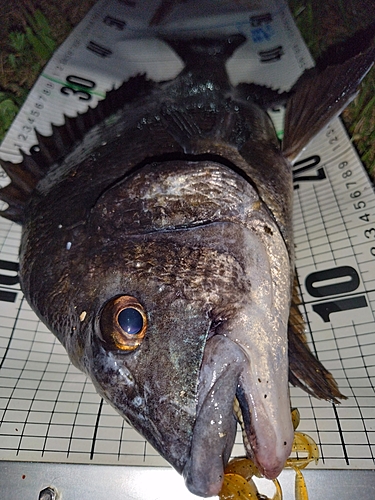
81,87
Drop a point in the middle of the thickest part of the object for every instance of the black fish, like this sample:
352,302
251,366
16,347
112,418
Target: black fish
159,250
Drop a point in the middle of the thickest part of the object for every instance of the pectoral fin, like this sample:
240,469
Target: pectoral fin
319,97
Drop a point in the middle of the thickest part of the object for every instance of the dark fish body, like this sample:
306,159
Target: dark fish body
159,251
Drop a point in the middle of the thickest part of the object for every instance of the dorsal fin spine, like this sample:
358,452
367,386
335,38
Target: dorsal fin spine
16,200
22,178
52,149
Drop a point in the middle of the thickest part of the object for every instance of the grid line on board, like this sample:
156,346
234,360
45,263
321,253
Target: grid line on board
317,430
6,351
366,190
120,440
96,429
306,316
315,420
36,429
5,359
341,434
5,235
72,425
363,357
314,342
317,229
343,221
316,193
32,401
53,409
344,295
353,395
305,230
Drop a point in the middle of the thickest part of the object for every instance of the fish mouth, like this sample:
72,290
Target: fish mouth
246,359
231,389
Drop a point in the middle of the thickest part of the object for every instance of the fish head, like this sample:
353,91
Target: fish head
171,321
156,378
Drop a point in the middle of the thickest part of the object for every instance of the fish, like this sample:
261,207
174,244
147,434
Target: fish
157,246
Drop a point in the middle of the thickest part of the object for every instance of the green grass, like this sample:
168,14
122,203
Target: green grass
28,50
30,31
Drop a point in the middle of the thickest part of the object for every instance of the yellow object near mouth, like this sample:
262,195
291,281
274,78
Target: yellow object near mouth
239,485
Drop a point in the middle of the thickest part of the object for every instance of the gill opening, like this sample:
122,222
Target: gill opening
180,156
188,157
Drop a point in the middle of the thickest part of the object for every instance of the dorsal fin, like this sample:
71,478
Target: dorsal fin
25,176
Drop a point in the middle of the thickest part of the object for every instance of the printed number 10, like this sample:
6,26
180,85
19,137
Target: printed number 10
8,280
351,283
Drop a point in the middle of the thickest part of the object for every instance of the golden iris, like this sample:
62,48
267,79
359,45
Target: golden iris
123,323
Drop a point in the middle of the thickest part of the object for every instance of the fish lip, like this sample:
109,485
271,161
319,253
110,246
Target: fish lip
260,449
210,450
252,450
267,440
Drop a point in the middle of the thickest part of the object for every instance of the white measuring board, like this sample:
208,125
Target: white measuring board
49,412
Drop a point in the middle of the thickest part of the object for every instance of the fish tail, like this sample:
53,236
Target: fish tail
320,96
200,52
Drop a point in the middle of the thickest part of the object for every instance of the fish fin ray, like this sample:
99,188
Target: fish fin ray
26,175
16,199
263,96
305,370
23,179
317,98
182,127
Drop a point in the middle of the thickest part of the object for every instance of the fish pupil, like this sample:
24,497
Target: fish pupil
130,320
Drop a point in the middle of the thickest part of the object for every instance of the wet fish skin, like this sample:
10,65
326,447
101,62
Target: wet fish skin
183,201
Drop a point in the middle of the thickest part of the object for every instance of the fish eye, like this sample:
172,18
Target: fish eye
130,320
123,323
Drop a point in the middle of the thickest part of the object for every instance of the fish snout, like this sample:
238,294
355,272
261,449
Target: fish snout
270,458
